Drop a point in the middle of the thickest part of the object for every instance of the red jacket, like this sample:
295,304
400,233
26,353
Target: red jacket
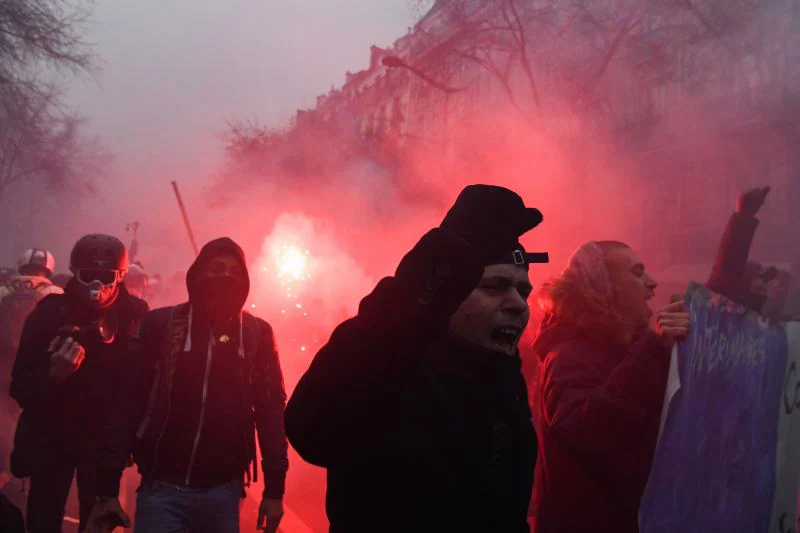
599,409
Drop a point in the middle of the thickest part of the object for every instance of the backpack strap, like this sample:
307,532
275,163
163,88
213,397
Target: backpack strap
173,338
177,335
151,402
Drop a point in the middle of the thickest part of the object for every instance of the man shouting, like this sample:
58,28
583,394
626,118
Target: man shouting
416,406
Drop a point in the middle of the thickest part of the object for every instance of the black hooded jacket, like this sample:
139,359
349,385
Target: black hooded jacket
193,403
73,409
418,431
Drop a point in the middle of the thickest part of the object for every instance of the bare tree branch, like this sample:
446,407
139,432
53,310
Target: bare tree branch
39,138
518,32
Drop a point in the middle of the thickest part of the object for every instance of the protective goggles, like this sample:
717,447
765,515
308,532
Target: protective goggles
88,276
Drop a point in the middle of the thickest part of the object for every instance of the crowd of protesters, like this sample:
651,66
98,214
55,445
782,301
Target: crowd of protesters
417,406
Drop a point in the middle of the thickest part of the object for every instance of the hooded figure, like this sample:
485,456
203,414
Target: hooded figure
416,406
204,379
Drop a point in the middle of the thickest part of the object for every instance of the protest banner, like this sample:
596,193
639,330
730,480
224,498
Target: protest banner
727,454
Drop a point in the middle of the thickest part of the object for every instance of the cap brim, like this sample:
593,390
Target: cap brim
533,217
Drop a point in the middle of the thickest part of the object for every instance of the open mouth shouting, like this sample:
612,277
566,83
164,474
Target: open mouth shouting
506,337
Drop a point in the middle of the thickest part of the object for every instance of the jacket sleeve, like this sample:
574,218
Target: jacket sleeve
732,254
348,397
30,380
270,404
135,379
601,421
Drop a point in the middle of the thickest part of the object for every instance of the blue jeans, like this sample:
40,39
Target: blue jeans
166,508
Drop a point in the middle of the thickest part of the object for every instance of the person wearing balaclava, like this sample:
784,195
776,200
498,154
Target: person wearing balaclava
203,381
416,406
604,363
65,378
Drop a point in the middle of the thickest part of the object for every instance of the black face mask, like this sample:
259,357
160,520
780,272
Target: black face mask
220,296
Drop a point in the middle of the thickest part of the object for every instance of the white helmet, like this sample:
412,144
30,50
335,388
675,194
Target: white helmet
136,277
36,261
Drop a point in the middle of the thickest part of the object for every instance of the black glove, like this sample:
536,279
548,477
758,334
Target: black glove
428,286
751,201
440,271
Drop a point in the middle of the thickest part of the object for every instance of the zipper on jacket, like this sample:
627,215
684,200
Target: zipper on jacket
249,451
160,436
202,412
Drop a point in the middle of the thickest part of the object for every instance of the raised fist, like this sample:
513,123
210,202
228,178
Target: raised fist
750,202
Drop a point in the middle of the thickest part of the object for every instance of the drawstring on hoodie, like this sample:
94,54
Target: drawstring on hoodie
210,351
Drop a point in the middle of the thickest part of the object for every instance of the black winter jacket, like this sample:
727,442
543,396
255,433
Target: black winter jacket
419,432
73,410
190,416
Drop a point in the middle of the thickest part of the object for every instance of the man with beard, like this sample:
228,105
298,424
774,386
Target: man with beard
605,359
416,406
205,375
64,379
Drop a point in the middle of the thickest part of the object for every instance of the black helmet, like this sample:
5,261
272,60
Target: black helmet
99,251
99,263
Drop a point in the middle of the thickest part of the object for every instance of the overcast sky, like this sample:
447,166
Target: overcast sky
174,70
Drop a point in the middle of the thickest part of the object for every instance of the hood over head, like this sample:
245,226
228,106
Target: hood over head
217,247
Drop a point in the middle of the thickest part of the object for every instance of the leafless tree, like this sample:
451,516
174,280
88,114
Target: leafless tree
37,33
582,55
39,138
39,142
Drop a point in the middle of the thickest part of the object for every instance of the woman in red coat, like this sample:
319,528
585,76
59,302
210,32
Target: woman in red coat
605,358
